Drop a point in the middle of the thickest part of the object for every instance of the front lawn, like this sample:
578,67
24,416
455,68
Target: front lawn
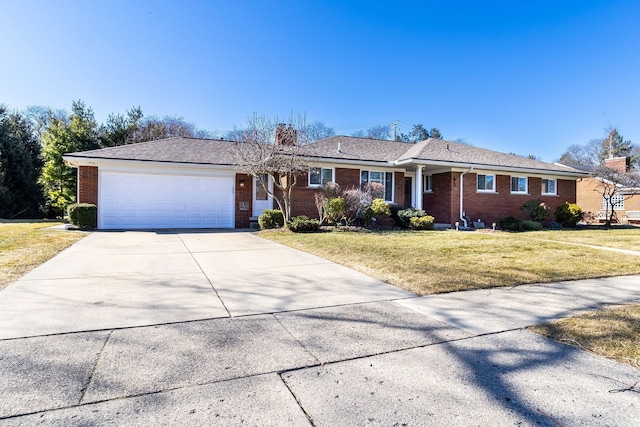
26,244
428,262
617,237
613,333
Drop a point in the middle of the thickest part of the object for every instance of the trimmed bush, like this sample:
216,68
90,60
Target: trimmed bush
380,207
531,226
510,223
334,210
569,214
403,216
421,222
536,210
83,215
553,225
302,224
271,218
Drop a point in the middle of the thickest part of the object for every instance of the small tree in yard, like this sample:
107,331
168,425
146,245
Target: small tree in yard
257,153
616,187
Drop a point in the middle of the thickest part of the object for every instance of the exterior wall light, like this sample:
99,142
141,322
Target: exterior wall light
242,183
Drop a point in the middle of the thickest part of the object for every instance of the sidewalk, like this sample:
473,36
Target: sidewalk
454,359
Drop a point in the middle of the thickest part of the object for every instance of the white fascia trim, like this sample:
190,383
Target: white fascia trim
146,166
357,164
461,167
349,164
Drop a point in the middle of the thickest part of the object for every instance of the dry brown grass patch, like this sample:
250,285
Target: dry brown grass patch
26,244
613,333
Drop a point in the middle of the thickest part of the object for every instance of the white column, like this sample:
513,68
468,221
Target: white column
418,196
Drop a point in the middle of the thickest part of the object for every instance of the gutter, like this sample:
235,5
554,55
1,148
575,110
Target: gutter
462,196
496,168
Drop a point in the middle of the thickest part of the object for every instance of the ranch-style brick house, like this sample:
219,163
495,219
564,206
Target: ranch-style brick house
194,183
589,196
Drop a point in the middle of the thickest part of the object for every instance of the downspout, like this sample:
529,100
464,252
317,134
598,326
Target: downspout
461,196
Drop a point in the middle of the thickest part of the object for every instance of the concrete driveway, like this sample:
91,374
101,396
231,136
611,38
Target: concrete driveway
123,279
228,329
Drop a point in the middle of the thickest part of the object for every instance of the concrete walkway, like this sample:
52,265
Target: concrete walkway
202,330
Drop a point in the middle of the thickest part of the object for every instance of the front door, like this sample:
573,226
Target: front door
408,191
261,200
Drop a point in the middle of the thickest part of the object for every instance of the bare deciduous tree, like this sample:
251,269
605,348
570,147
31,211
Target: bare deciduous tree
268,147
616,187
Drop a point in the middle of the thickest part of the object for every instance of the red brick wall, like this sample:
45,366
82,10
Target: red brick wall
490,207
618,163
303,200
243,195
303,196
438,202
444,202
348,178
88,185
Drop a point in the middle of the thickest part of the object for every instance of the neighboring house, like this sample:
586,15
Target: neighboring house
590,199
193,183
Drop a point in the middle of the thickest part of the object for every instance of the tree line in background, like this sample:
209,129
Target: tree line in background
34,180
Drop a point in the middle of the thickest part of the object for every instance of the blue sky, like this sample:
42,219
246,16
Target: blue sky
530,77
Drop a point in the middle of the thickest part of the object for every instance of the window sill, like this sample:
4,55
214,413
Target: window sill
519,193
549,194
428,191
486,192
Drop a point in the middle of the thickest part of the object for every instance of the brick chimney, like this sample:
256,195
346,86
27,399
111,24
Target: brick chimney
621,164
286,135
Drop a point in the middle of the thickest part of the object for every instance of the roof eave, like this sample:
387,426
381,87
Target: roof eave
481,166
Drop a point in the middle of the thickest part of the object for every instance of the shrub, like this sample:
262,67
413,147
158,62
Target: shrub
380,207
329,191
403,216
302,224
569,214
510,223
83,215
356,203
536,210
531,226
271,218
421,222
334,210
553,225
374,190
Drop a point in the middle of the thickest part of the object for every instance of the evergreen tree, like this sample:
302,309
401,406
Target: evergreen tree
20,165
78,133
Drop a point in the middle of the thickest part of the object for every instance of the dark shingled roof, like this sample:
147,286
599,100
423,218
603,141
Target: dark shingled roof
447,151
217,152
353,148
173,150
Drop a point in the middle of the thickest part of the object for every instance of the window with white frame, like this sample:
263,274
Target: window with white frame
383,178
617,200
320,176
486,182
519,184
549,186
427,185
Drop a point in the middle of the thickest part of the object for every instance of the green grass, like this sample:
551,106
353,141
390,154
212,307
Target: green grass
613,333
428,262
26,244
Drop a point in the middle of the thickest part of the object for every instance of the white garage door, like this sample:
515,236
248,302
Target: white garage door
136,200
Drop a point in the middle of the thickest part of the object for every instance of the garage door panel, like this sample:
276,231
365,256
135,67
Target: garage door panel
130,200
